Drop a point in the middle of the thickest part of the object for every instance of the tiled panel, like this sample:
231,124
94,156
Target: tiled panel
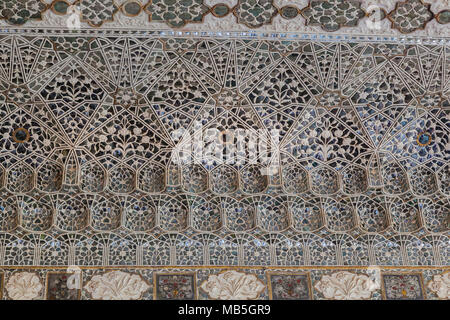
174,283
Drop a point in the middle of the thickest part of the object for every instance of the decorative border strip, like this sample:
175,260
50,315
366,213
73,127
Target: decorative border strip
211,267
40,249
218,283
275,36
366,16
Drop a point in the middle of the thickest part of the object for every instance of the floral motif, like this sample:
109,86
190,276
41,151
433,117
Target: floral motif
117,285
330,99
345,285
176,13
24,286
233,285
126,97
175,286
255,13
228,99
403,286
19,95
289,286
411,15
63,286
331,15
440,285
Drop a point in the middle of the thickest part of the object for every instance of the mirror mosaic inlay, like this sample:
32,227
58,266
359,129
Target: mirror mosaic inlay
171,149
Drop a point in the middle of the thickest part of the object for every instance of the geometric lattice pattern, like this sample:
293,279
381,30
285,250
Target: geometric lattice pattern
224,150
128,150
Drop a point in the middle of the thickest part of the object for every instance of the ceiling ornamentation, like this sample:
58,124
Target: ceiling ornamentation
175,150
112,143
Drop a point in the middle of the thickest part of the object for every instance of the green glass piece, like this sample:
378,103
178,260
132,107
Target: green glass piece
60,7
221,10
289,12
132,8
444,17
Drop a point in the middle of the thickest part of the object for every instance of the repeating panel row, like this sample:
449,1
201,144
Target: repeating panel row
218,283
209,249
293,178
177,212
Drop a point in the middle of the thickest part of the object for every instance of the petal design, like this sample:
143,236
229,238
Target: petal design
345,285
440,285
24,286
117,285
233,285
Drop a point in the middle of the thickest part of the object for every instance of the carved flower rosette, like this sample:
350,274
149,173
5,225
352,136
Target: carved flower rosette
440,285
233,285
346,286
24,286
117,285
